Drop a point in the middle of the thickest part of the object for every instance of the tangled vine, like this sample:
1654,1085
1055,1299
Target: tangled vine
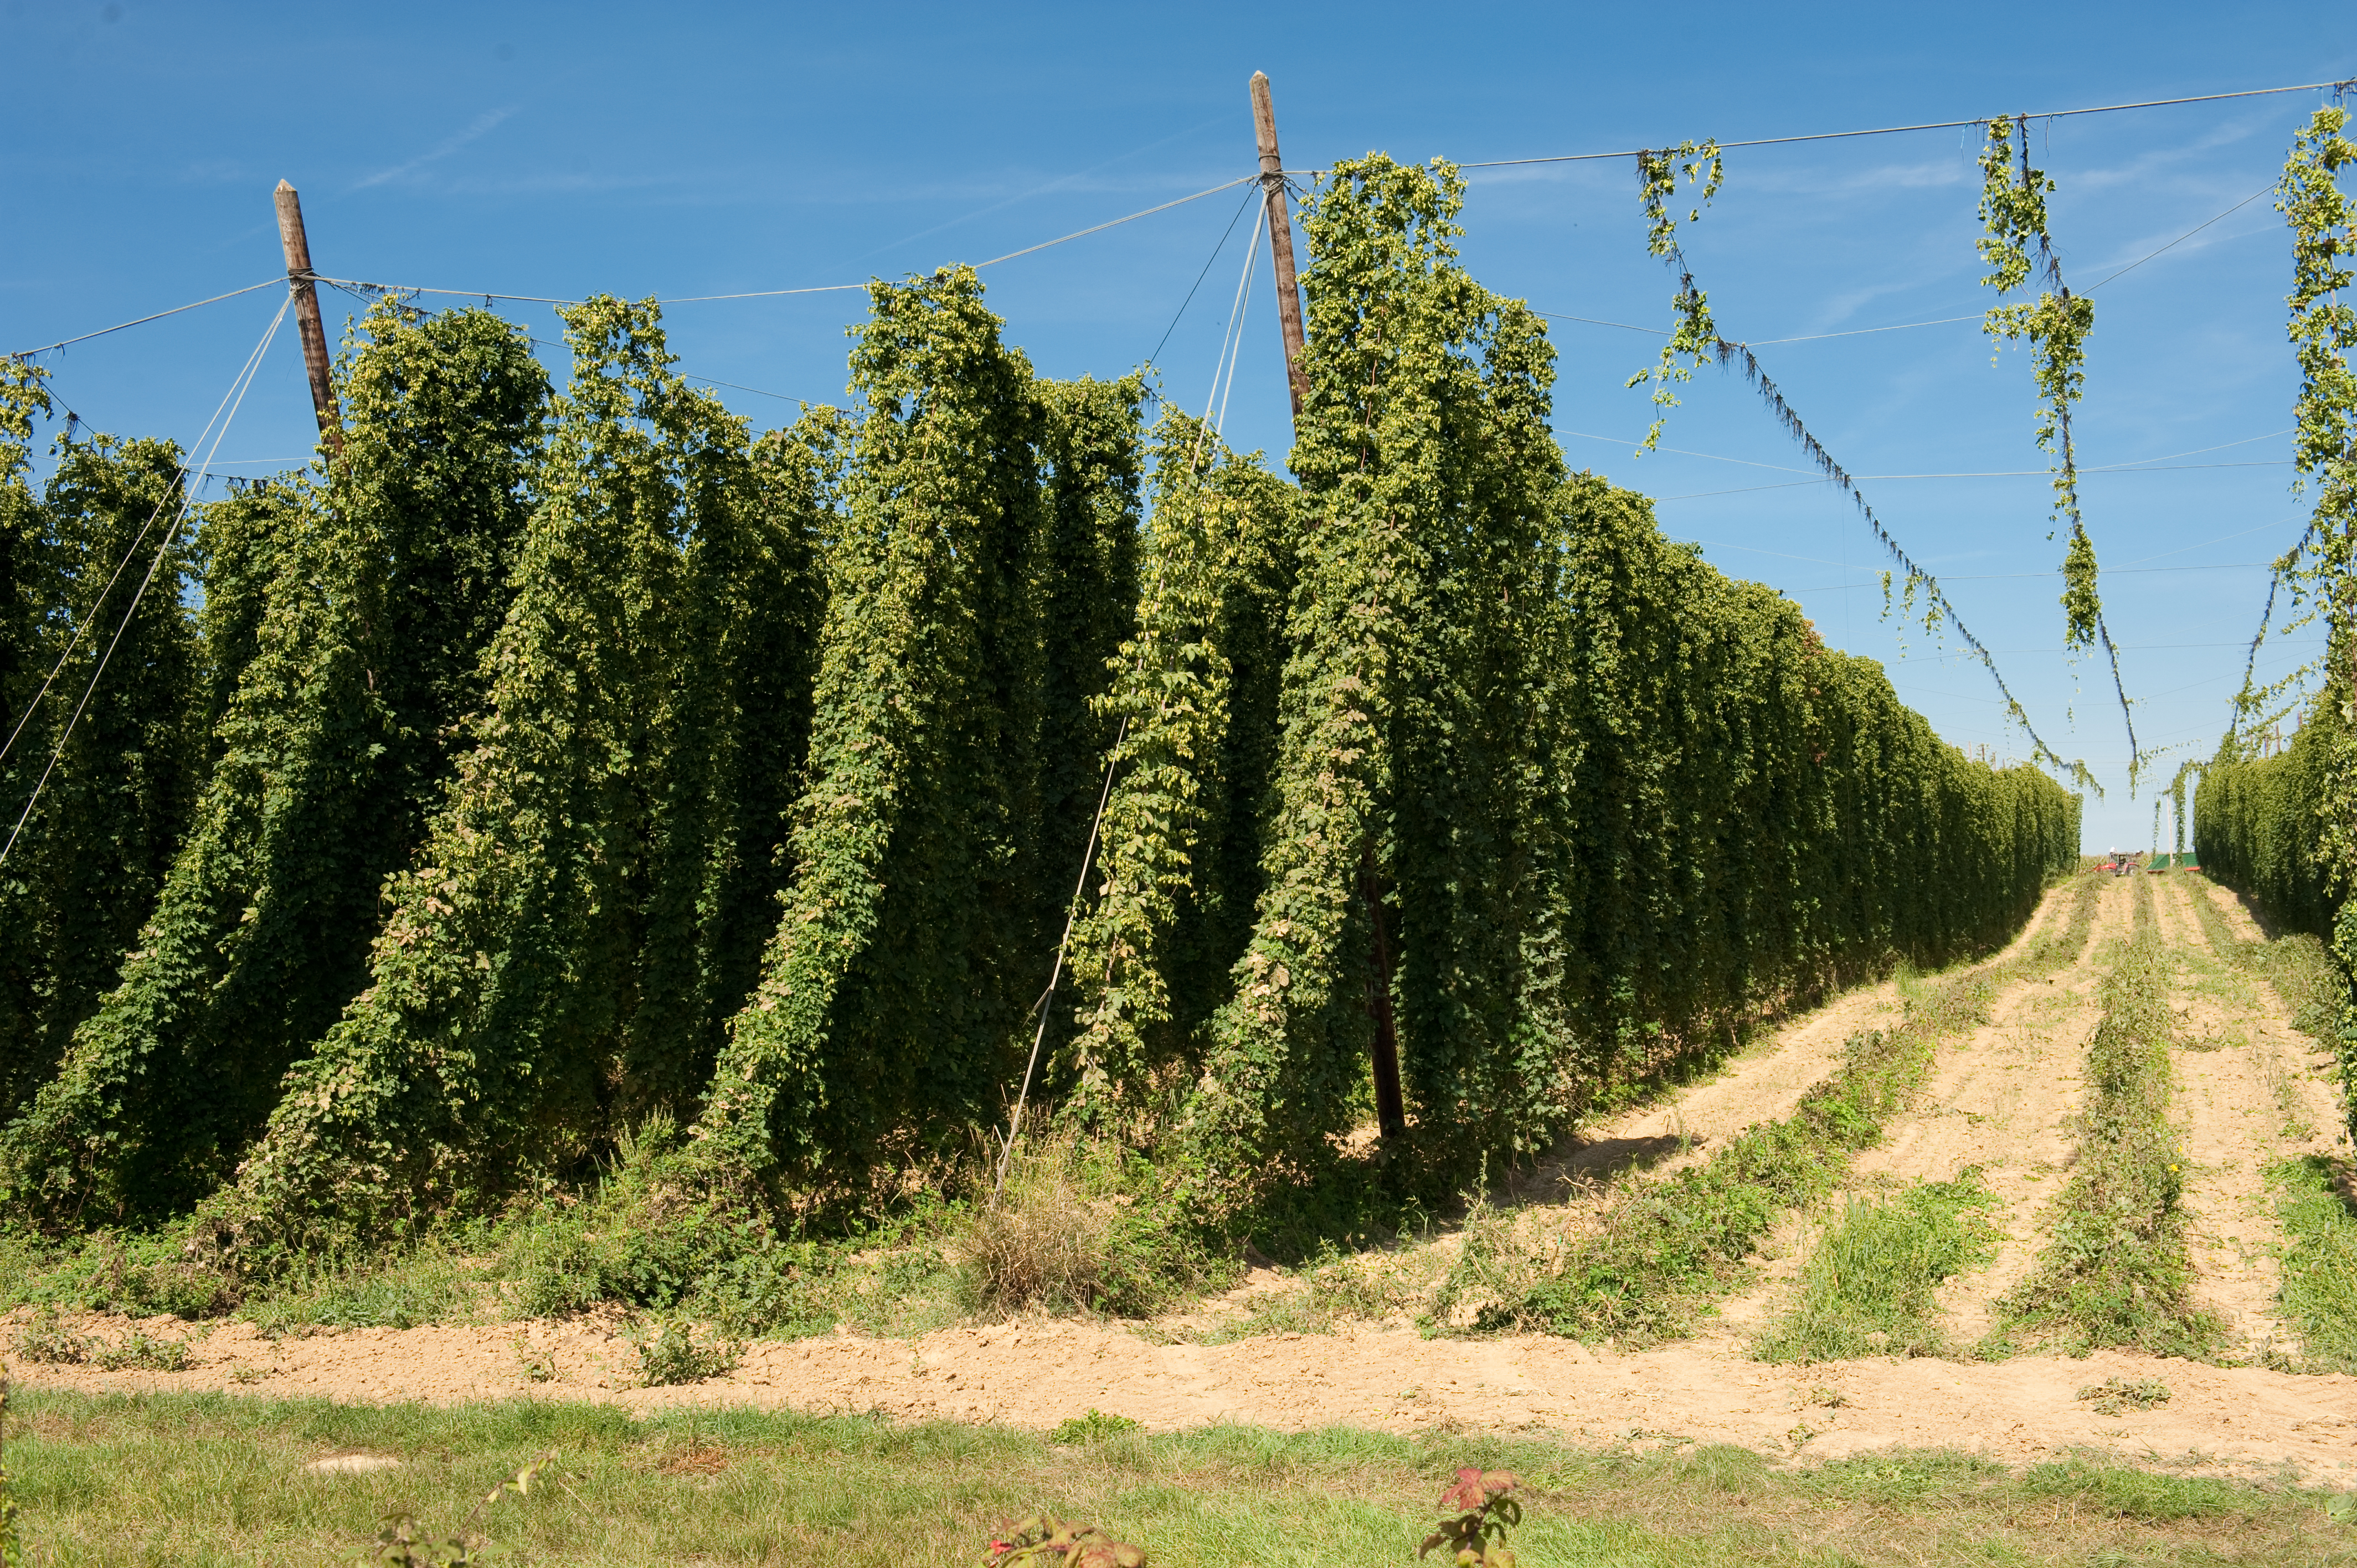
1696,340
2056,324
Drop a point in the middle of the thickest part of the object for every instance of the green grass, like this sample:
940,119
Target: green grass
217,1479
2299,966
1870,1286
1671,1247
2320,1260
2114,1272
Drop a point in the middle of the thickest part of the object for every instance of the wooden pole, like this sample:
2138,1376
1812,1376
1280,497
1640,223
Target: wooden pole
301,279
1280,234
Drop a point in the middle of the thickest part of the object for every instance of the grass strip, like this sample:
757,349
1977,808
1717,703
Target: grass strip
214,1478
1870,1287
2319,1258
2299,966
1671,1247
2115,1273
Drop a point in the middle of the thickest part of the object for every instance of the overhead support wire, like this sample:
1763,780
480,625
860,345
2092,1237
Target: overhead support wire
234,400
1938,600
142,321
1908,325
2344,84
242,379
1197,284
781,293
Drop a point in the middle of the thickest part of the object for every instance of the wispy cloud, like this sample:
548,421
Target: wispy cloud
482,126
1068,183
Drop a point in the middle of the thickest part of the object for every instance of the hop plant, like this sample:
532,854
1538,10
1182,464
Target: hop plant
1483,1508
1050,1542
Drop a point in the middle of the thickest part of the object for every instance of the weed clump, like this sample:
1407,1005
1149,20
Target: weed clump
2319,1260
140,1352
670,1354
1041,1245
1092,1427
2117,1396
1082,1229
51,1343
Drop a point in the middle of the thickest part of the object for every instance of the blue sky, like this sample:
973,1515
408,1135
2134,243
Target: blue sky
712,149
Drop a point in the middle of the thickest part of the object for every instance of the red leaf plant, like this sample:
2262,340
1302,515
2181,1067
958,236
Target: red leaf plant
1480,1507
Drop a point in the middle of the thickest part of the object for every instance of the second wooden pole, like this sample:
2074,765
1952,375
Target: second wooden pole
1280,234
303,281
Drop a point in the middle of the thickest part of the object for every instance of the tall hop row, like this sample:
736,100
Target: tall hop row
2284,827
548,764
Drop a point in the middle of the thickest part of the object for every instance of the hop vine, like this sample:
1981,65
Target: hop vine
916,925
1693,339
552,954
344,621
1696,340
101,776
1194,698
2056,324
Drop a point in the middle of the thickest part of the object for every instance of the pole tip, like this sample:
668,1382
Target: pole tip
284,186
1260,76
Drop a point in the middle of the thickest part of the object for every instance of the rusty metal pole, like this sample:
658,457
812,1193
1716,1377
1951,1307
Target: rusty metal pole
301,279
1280,234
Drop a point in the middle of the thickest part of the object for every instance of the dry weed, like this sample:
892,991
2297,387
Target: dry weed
1042,1245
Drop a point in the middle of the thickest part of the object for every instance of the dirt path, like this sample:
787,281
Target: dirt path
2246,1096
1569,1191
1762,1084
1035,1373
2245,924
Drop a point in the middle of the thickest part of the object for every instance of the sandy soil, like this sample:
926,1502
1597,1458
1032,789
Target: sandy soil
2000,1098
1568,1189
1762,1084
2003,1098
1035,1373
2239,919
2247,1096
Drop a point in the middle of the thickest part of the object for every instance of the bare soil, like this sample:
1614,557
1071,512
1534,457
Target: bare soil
1035,1373
2000,1098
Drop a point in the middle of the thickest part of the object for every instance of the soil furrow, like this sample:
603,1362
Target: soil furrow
1034,1373
2000,1098
2247,1098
